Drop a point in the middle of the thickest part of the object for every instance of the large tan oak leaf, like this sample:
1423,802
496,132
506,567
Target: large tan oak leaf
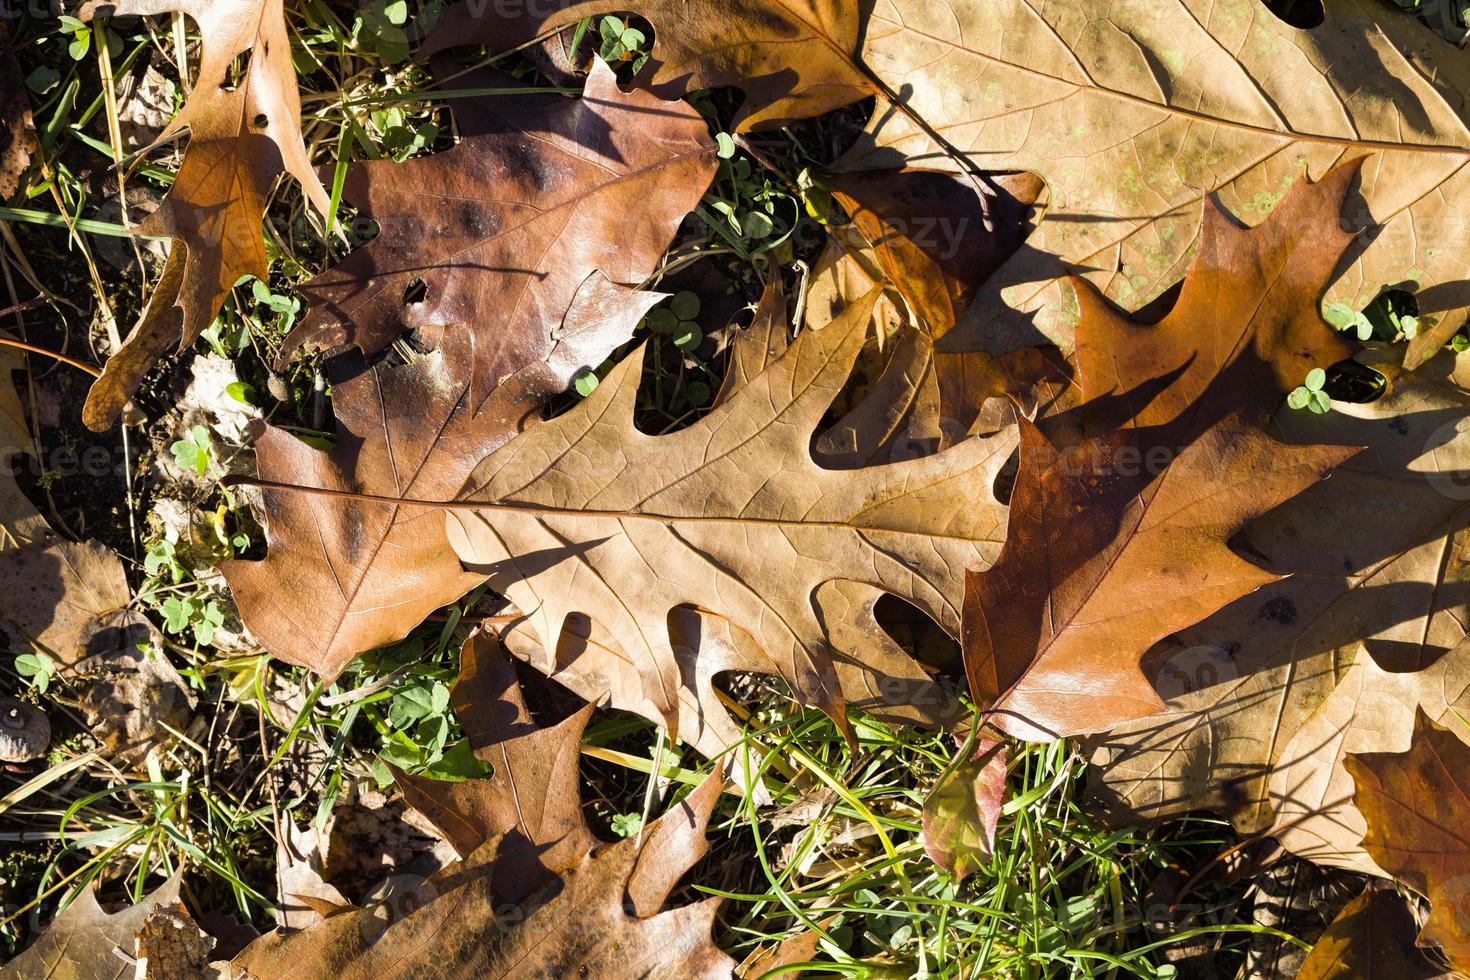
1379,569
875,672
243,133
1133,113
587,518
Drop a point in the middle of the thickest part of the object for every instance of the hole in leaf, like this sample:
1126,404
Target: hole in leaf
260,121
1303,14
1005,480
1349,381
237,71
415,292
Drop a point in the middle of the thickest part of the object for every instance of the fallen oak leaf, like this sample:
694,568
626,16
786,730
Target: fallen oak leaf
341,578
702,517
243,133
1133,116
82,941
600,916
795,59
647,514
1106,553
529,800
508,226
1372,938
1419,826
1371,710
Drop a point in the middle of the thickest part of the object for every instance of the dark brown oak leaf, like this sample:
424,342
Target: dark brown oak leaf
498,235
1417,804
794,59
1372,938
600,916
344,576
585,517
243,133
530,799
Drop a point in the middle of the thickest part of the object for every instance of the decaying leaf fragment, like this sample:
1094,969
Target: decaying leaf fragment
1418,818
81,943
1371,939
529,801
244,123
587,518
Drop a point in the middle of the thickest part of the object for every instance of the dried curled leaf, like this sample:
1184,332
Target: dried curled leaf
244,124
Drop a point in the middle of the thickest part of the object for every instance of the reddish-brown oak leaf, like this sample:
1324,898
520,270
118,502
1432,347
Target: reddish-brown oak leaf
498,234
1244,331
244,128
1417,805
344,576
794,59
1112,546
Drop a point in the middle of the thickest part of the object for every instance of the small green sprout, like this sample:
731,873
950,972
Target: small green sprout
195,451
1310,394
677,320
37,669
